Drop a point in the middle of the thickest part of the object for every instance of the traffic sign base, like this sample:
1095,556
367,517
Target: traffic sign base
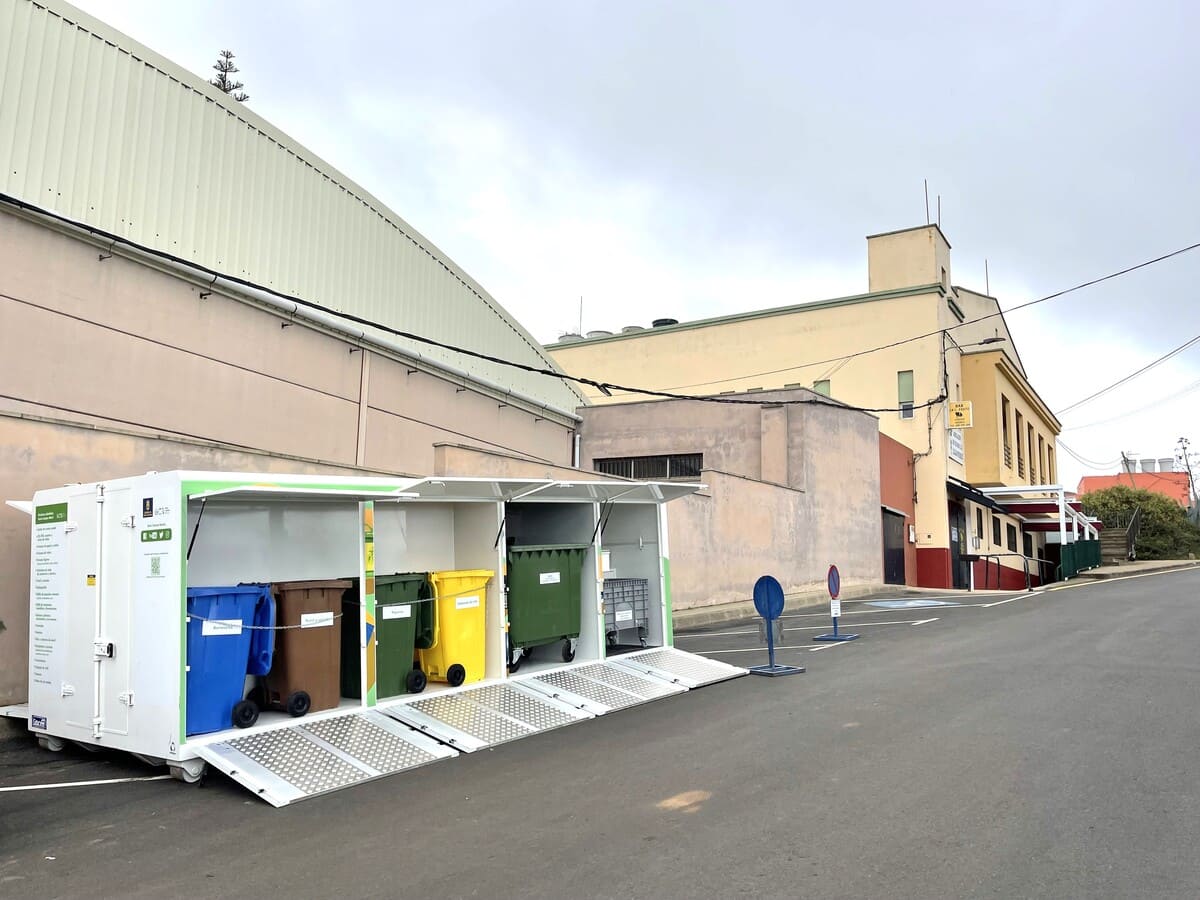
843,636
774,671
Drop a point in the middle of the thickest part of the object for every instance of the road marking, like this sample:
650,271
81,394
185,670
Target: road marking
701,634
751,650
829,646
688,801
1087,582
922,622
67,784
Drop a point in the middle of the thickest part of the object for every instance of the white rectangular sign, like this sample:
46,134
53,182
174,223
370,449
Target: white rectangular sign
466,602
624,615
399,611
955,449
214,627
316,620
835,609
551,577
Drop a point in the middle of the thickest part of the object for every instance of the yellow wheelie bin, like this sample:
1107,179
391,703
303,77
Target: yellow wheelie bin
456,648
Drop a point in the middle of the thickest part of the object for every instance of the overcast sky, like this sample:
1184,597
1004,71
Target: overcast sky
699,158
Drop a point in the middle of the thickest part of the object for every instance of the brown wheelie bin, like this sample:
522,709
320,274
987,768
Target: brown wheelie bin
305,674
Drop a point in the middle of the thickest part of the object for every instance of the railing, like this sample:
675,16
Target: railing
1131,533
1008,456
1078,557
1020,468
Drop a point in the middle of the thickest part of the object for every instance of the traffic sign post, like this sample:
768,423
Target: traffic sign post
834,582
768,601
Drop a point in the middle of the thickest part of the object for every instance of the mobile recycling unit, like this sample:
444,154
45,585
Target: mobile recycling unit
227,619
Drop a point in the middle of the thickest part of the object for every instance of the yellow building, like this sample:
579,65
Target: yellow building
904,350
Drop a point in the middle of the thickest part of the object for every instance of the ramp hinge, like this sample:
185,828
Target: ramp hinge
128,522
126,698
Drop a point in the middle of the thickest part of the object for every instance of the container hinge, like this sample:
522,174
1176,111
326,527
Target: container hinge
129,522
102,650
66,690
70,526
96,723
126,698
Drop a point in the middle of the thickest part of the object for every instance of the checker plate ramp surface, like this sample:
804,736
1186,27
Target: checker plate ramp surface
594,694
485,716
687,669
298,761
619,677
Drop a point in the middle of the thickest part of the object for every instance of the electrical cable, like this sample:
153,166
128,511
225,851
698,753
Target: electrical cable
1194,386
1132,375
606,388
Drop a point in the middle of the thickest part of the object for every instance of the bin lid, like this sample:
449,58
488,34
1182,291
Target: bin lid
339,584
611,491
217,590
536,548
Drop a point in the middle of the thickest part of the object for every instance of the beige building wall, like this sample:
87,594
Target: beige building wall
790,490
111,368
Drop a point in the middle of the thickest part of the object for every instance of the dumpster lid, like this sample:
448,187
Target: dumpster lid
25,506
272,492
453,488
616,491
533,548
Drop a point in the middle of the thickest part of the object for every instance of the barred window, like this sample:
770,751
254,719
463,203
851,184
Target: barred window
668,467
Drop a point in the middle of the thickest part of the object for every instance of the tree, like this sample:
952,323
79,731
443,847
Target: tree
1165,533
223,82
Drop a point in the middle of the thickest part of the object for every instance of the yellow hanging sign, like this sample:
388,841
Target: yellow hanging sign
960,414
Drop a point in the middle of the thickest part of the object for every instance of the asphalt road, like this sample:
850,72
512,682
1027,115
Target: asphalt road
1043,747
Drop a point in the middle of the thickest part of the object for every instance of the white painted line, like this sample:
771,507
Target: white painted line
1001,602
701,634
762,649
829,646
924,622
68,784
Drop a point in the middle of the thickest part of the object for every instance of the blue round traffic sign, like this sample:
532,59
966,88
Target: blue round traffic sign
834,580
768,598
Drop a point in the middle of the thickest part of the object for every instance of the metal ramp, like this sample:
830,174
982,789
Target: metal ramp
600,687
299,761
689,670
485,716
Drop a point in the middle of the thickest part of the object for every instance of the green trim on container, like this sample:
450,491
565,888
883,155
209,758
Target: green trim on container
200,487
183,580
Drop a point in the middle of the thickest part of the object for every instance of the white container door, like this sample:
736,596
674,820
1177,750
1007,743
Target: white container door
116,602
73,678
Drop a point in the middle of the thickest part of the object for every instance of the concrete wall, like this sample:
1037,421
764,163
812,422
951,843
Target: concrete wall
818,504
111,368
900,259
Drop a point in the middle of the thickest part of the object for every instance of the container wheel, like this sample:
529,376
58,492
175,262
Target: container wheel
456,675
259,696
245,713
298,704
189,774
568,652
415,681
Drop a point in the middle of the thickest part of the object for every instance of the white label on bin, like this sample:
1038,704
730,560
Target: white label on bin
466,602
551,577
316,620
624,615
214,627
399,611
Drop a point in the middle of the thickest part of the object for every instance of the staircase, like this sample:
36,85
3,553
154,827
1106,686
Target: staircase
1114,543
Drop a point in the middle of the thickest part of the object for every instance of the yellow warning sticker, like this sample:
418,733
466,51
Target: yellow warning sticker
91,579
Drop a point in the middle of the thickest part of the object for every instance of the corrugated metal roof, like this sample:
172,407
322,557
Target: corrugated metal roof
104,131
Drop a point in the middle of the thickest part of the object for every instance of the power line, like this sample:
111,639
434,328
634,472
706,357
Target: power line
1087,463
1130,376
607,388
1195,385
919,337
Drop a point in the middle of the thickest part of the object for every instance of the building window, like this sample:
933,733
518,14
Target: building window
1042,459
822,387
1029,545
1033,460
1053,476
996,531
904,388
1020,450
674,466
979,522
1004,416
945,280
1012,537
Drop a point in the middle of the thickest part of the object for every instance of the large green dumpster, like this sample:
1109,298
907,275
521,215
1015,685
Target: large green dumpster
399,600
543,597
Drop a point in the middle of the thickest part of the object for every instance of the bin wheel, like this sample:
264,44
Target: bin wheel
298,704
514,660
415,681
456,675
245,713
568,652
259,696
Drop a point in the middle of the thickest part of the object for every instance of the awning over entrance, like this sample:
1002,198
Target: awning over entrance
961,489
1044,507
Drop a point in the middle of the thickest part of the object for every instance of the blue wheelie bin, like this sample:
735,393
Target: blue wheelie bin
219,643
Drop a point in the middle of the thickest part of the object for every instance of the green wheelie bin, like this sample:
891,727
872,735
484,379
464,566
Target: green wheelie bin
399,600
543,598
